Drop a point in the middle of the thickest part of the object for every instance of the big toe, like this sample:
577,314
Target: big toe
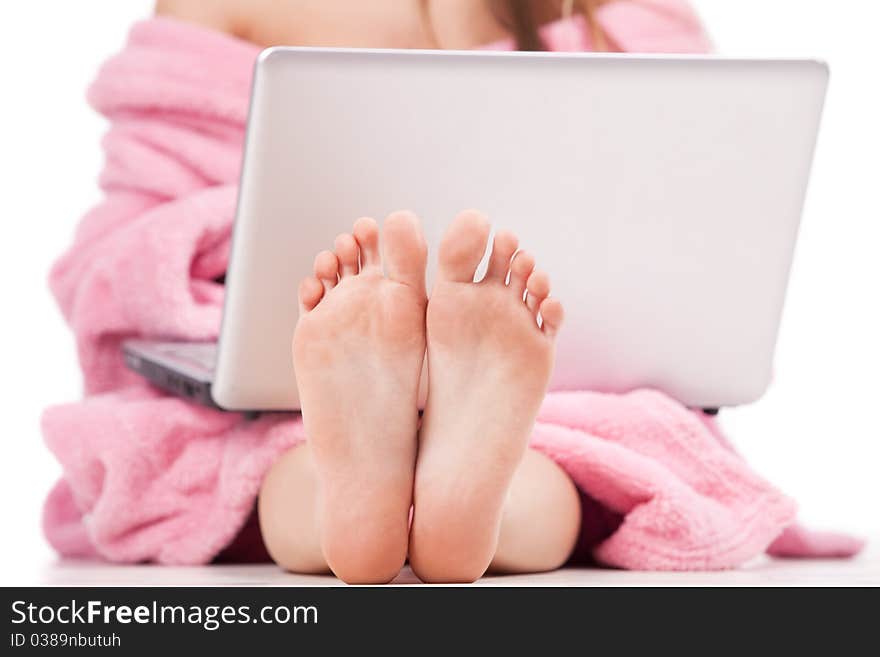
463,246
404,250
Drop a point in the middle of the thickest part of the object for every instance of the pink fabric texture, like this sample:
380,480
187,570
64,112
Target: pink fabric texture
148,477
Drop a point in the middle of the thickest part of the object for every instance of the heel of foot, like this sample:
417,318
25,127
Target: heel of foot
438,560
449,541
365,558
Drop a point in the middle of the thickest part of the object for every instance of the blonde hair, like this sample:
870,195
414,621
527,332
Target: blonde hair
517,16
588,8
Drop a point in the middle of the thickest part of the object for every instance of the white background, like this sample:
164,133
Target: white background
815,433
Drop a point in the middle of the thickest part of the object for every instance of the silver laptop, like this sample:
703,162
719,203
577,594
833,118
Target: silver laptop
662,194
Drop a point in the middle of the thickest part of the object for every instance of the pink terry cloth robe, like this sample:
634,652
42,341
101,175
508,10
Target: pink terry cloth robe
148,477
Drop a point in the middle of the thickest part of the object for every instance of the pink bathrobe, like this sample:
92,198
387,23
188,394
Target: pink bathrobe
149,477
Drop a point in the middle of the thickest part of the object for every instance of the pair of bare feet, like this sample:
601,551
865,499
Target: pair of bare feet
358,350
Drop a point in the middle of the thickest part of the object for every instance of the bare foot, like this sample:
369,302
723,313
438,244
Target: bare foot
489,363
358,352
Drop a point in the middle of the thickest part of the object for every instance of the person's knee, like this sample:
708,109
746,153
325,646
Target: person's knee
290,556
542,517
286,512
290,548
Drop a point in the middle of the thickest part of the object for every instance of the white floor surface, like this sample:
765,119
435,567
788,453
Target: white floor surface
861,571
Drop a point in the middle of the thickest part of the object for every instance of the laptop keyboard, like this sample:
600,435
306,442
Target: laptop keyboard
203,354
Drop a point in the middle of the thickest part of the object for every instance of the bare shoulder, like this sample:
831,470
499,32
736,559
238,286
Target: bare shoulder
222,15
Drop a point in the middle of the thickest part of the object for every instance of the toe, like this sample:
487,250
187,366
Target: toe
520,268
551,316
538,287
347,253
503,248
404,250
366,233
327,269
310,292
463,246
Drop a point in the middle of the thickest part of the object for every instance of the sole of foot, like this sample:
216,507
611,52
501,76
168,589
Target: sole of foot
491,349
358,352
